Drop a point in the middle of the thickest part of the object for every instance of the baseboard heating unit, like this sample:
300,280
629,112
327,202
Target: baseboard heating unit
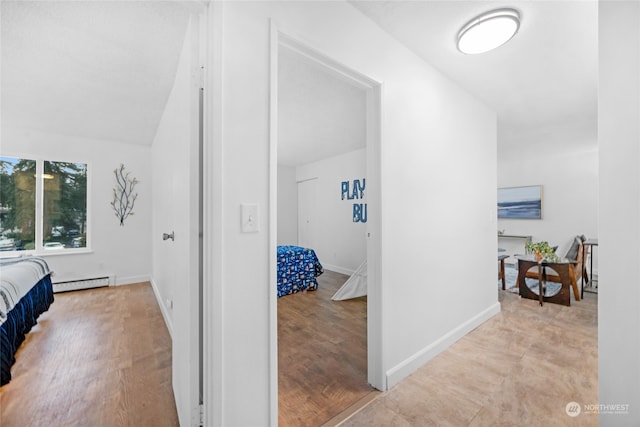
74,285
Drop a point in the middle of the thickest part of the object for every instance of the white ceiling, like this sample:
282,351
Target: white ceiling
90,68
541,83
104,70
319,115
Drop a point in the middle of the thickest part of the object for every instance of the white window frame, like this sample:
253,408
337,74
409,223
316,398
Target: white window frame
39,206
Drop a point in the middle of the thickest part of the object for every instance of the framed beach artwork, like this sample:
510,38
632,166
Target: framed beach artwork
520,202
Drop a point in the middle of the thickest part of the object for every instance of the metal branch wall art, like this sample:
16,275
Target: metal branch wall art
124,198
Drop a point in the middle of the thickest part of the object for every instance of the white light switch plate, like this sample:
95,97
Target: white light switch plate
249,218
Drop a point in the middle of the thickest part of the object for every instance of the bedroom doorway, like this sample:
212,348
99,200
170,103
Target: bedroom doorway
296,171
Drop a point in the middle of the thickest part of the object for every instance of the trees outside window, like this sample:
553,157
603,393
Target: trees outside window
43,204
17,204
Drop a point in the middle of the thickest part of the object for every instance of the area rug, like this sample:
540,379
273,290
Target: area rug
511,275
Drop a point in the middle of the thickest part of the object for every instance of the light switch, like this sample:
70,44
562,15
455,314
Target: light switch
249,218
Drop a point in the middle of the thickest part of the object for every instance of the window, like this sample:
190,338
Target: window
17,204
49,213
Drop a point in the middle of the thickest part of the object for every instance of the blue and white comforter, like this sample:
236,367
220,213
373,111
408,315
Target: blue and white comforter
17,277
297,269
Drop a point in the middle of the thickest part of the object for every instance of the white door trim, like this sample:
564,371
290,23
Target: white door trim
376,376
212,192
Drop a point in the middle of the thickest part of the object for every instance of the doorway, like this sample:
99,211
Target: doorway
370,231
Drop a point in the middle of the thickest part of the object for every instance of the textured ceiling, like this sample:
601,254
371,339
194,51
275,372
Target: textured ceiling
90,68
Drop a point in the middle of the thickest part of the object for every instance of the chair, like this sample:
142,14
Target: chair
576,254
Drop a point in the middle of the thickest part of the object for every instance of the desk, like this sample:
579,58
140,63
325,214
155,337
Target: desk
587,246
564,269
516,236
513,246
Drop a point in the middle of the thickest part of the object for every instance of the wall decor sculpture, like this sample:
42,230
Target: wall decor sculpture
124,198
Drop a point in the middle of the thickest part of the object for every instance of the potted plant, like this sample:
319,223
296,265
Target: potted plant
542,251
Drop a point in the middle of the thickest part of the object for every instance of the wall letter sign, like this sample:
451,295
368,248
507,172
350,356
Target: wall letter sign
355,191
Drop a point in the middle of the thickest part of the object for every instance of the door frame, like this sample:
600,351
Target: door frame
375,375
212,182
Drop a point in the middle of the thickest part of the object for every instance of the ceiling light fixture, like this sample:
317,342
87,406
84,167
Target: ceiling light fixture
488,31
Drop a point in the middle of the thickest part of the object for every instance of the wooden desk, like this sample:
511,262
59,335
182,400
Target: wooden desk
567,279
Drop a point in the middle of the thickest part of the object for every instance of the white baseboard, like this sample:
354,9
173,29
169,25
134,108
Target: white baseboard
337,269
410,365
119,281
163,308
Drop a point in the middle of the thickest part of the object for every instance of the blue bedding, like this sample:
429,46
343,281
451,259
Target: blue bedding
297,270
21,305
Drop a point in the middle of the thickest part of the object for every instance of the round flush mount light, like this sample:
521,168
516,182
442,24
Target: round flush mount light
488,31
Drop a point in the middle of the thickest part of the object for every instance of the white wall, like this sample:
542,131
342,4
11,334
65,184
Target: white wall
123,251
174,160
568,173
438,189
287,206
619,222
341,244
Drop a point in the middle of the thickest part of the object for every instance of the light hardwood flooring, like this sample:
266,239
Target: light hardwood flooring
322,354
102,357
520,368
99,357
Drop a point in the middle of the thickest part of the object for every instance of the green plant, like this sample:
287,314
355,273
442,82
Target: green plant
543,249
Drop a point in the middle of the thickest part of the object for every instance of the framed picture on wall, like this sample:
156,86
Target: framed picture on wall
520,202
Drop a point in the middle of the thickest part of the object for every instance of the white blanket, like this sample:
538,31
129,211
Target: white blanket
17,277
355,286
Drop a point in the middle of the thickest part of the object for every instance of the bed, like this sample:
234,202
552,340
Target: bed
297,270
25,293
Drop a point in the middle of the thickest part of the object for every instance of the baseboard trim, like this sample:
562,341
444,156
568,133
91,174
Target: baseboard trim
163,308
337,269
119,281
410,365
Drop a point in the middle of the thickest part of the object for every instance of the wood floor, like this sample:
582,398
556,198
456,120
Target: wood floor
99,357
322,354
102,357
520,368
